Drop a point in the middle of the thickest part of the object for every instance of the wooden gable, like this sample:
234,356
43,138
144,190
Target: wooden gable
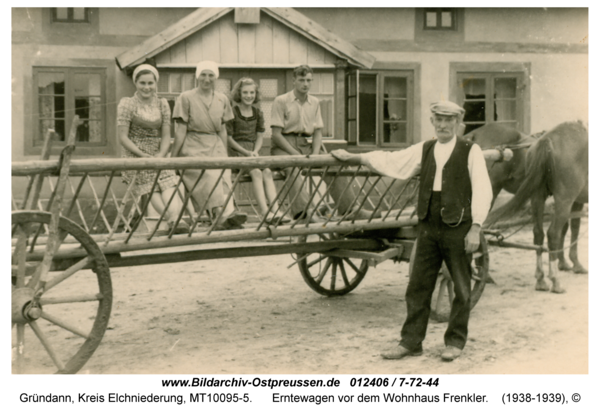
265,44
282,38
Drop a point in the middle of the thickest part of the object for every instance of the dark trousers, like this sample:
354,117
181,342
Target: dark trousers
438,242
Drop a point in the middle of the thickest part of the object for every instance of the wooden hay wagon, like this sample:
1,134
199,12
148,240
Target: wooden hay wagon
73,220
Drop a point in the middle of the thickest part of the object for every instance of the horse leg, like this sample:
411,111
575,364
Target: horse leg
561,215
575,222
563,265
537,211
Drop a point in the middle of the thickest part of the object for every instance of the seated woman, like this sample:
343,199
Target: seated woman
144,129
245,133
199,116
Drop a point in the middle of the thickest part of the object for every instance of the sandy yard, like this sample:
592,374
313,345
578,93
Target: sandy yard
254,315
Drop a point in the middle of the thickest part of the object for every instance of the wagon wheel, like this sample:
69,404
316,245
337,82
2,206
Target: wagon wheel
59,322
331,276
444,289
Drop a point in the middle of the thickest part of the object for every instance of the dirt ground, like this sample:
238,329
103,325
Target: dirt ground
254,315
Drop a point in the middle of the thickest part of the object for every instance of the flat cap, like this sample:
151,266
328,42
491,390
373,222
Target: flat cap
446,108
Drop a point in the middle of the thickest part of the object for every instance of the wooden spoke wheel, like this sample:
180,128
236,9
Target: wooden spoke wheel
331,276
60,311
443,295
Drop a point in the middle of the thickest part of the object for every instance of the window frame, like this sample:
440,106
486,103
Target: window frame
494,70
440,36
70,13
411,107
34,145
438,26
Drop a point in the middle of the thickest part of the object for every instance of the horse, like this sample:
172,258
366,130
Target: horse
556,165
507,175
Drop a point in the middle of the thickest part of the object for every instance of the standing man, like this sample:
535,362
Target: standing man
455,196
296,116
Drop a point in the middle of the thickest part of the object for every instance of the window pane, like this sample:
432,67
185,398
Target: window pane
315,89
505,88
78,13
505,110
368,108
430,19
446,19
473,88
62,13
95,104
57,125
82,108
89,131
265,106
394,87
87,84
394,132
474,111
175,82
187,81
52,107
223,85
394,110
268,88
327,83
51,83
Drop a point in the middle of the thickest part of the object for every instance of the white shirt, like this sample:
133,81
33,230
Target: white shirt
406,163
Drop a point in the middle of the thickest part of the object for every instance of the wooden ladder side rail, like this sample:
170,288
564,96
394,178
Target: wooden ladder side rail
37,180
54,238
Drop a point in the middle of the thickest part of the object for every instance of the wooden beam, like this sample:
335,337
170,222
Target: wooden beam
245,66
135,164
318,34
171,35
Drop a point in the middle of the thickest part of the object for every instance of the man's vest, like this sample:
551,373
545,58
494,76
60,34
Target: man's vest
456,183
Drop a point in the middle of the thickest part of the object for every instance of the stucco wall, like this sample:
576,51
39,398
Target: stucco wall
355,24
559,83
24,57
139,21
547,25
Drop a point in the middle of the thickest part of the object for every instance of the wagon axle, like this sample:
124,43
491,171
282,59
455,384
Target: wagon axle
25,307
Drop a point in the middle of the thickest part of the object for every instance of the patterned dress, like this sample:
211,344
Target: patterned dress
145,131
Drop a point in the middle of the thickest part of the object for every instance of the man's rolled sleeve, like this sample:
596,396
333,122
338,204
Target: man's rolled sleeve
278,113
318,118
480,184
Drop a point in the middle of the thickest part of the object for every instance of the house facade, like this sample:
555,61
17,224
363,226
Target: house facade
376,69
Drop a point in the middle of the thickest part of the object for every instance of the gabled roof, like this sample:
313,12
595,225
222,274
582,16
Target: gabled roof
202,17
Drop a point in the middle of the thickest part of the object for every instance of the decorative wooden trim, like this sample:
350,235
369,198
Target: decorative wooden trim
171,35
318,34
245,66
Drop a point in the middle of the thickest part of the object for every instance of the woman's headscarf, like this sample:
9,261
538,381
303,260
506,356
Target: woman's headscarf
145,67
207,65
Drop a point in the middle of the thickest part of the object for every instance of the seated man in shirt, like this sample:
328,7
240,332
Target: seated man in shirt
455,195
296,116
